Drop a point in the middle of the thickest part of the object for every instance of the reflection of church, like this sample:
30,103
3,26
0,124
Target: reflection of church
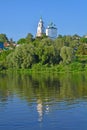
41,109
51,30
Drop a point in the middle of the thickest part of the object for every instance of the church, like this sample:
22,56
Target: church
51,30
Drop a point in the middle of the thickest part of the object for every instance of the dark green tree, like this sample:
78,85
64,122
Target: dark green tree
3,38
21,41
83,40
29,38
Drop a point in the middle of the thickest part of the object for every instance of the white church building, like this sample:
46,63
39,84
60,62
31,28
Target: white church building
40,28
51,30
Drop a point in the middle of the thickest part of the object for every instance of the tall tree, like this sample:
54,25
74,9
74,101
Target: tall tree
29,38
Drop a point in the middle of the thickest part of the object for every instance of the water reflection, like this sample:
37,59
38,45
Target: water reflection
48,91
40,109
43,86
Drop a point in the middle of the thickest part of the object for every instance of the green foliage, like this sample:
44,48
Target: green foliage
27,40
3,65
3,56
59,42
82,49
76,37
22,57
21,41
46,54
3,38
76,66
83,40
81,58
67,54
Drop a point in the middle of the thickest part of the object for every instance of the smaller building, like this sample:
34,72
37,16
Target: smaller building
51,31
6,44
1,45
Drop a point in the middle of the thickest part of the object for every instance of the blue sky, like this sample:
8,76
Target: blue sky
20,17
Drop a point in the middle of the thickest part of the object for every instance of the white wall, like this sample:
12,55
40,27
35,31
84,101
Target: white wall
51,32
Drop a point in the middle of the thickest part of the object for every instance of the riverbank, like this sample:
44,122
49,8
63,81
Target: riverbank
61,68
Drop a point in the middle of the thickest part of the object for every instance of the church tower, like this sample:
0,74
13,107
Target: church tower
40,28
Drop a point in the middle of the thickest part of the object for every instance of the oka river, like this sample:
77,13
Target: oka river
43,101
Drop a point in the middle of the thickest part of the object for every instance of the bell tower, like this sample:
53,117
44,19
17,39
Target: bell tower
40,28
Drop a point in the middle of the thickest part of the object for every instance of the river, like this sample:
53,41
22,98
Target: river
43,101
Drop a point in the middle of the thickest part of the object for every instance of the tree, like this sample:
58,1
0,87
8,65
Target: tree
22,57
67,54
47,52
83,40
59,42
82,49
26,40
21,41
75,37
3,38
29,38
59,36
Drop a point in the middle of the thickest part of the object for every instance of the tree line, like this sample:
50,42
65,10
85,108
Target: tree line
42,51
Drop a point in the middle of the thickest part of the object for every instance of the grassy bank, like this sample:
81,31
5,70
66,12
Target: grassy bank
61,68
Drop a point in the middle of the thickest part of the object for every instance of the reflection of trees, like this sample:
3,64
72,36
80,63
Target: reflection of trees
44,87
74,86
4,93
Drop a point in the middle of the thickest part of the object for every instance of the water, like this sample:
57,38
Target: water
43,101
